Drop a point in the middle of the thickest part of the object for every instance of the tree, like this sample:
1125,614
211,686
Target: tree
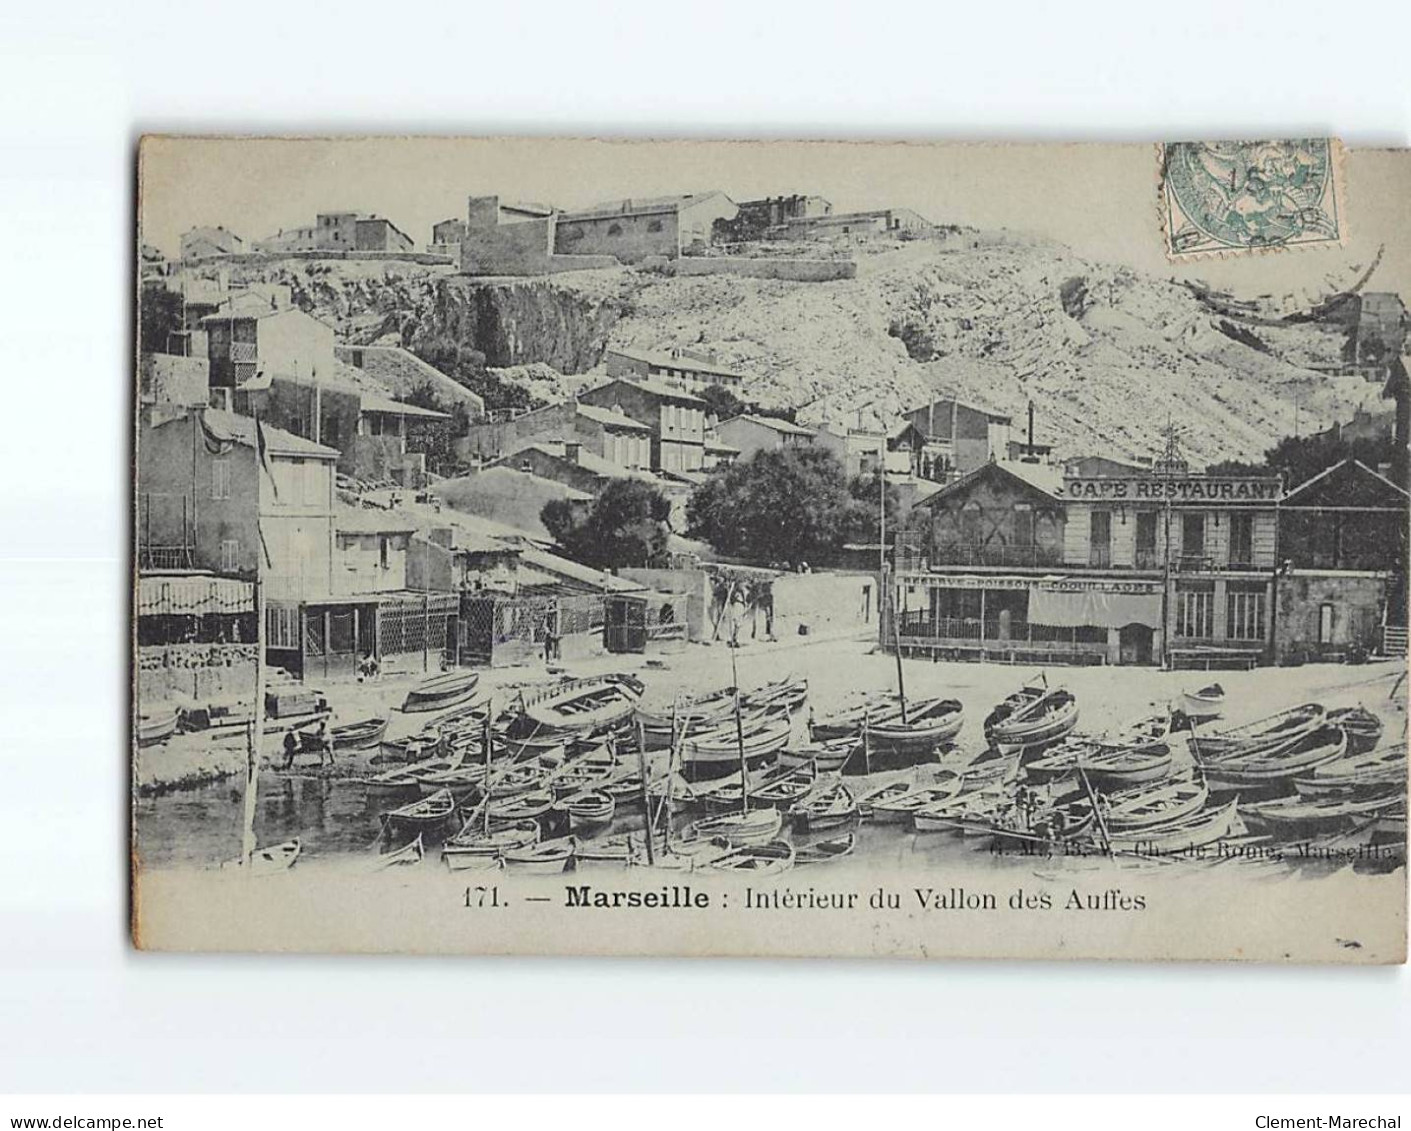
435,438
1299,458
784,505
625,527
863,524
159,316
721,402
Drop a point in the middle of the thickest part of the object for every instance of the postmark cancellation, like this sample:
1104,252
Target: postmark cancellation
1237,197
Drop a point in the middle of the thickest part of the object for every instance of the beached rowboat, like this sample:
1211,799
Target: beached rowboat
1304,815
472,847
270,861
1205,827
440,691
1206,703
890,744
825,808
429,815
585,706
758,859
157,725
758,826
1364,729
1277,765
547,857
1376,771
361,735
1034,722
411,853
1254,738
846,722
900,807
620,850
788,694
824,851
718,751
591,809
826,757
1160,805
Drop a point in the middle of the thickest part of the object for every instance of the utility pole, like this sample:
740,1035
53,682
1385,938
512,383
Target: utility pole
1169,457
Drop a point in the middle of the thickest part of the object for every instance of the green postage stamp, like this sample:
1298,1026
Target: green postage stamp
1228,197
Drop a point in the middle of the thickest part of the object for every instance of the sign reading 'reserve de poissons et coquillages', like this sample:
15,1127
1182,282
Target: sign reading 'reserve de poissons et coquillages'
1188,491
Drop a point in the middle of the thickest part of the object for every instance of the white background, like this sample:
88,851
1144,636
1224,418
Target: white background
79,1010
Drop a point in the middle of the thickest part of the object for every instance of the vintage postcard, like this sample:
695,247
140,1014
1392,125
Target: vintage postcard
706,548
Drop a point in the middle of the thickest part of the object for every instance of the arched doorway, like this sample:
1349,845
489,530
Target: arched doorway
1134,642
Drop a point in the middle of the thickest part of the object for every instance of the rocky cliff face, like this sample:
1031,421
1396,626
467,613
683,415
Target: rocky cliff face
1107,355
518,322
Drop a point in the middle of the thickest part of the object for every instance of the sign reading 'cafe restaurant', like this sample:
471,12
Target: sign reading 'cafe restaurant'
1189,490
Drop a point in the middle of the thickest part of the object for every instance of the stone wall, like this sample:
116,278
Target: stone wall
196,672
1356,601
794,270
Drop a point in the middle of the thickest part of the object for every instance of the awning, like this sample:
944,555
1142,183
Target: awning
1069,608
193,596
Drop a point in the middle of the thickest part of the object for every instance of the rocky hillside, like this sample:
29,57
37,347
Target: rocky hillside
1106,354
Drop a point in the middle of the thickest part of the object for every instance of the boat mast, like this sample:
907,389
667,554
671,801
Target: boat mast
896,644
739,724
489,760
257,724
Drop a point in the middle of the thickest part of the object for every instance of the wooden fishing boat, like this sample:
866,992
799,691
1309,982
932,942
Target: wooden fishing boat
890,744
620,850
1391,825
585,706
526,806
547,857
591,809
826,757
1206,827
1138,732
1046,718
825,808
687,716
361,735
395,780
1017,701
823,851
1204,703
157,725
589,770
1364,729
846,723
445,690
717,752
758,859
788,695
411,853
473,847
784,789
881,794
427,816
1118,768
270,861
1278,765
1158,805
899,808
727,792
1376,771
758,826
993,767
971,809
1256,737
469,777
1303,815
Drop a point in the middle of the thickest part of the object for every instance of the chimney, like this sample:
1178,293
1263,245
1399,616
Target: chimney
1029,454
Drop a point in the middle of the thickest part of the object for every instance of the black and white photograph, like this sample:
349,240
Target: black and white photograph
616,547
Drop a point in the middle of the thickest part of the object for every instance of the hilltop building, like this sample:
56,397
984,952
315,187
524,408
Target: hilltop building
690,368
340,232
631,230
891,222
209,243
750,434
951,437
756,219
676,418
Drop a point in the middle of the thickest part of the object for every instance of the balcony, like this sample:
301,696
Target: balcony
247,352
991,554
165,557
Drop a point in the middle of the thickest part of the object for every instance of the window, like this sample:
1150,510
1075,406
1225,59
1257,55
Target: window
384,553
1244,614
1195,612
282,626
1023,524
1325,624
230,555
654,226
1193,536
220,478
614,229
1100,539
1146,539
1241,539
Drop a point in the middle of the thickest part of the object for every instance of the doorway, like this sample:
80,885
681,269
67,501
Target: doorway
1134,644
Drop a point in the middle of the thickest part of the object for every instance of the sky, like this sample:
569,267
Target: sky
1101,200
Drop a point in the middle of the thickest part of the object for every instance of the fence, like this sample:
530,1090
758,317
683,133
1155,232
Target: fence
417,630
497,630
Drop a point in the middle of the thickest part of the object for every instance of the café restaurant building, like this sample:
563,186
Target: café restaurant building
1024,563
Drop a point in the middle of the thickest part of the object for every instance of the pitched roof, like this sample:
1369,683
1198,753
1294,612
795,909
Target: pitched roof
588,461
373,403
652,386
374,520
546,562
230,427
1349,466
640,206
777,424
606,416
1046,481
665,359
